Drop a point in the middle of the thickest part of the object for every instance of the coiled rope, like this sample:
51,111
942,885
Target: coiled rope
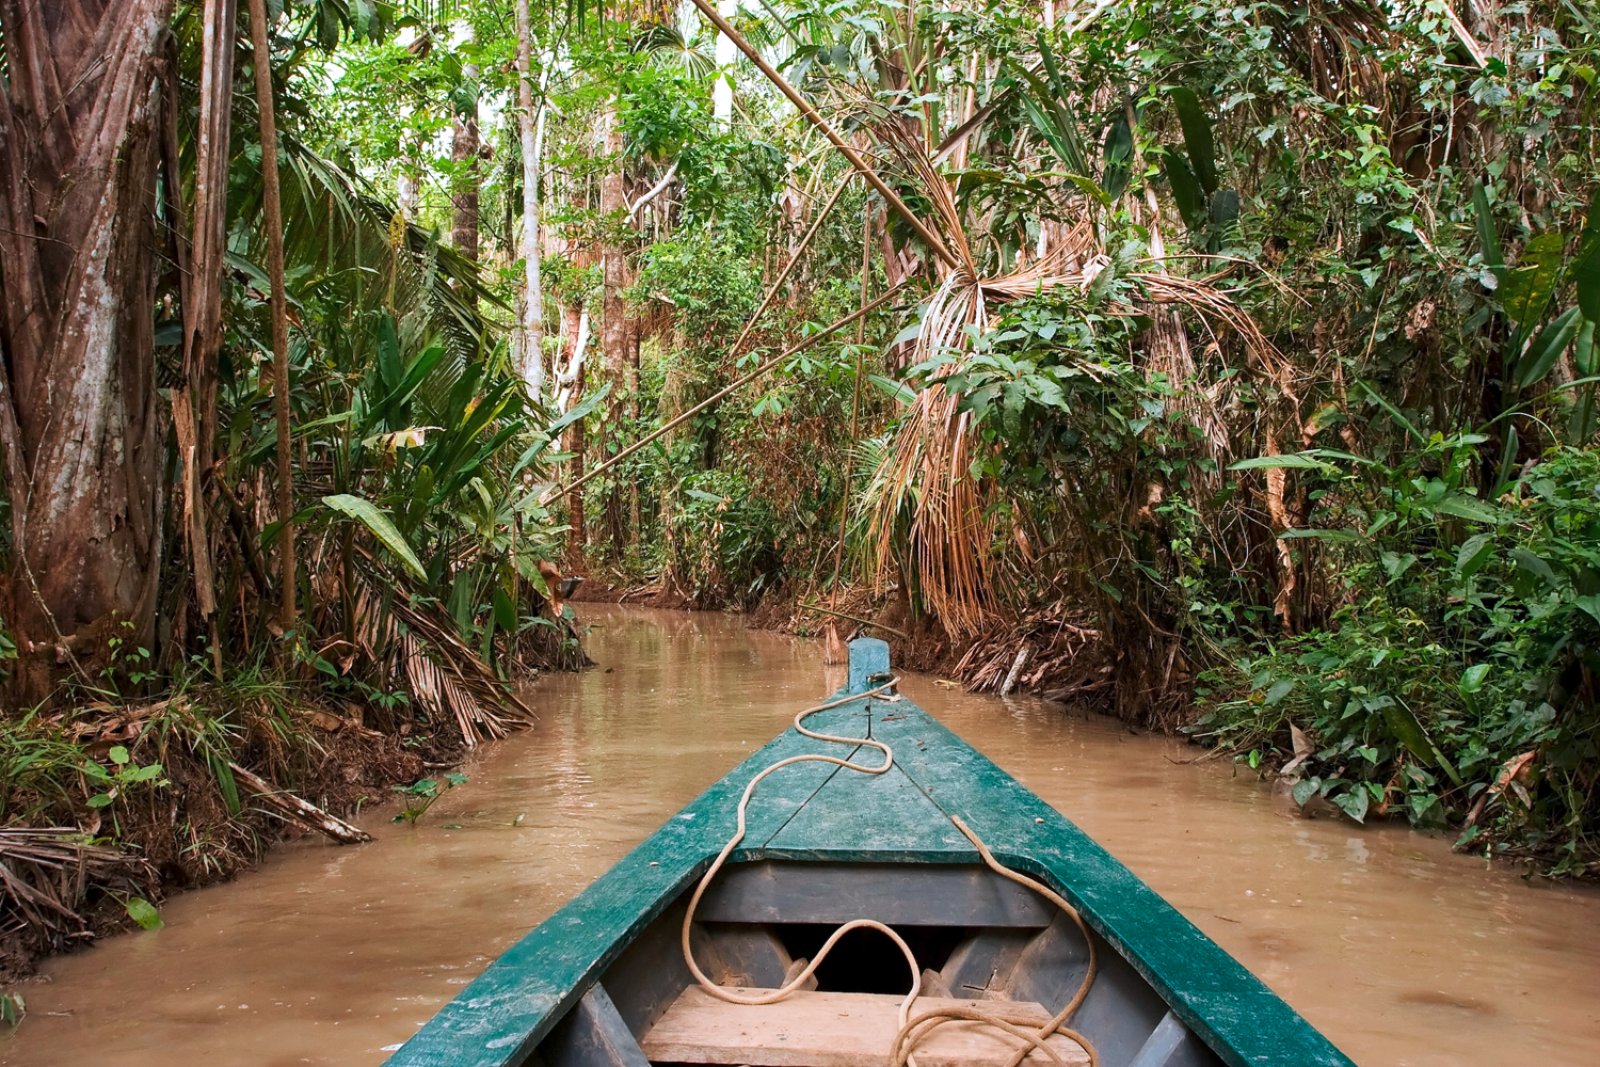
912,1031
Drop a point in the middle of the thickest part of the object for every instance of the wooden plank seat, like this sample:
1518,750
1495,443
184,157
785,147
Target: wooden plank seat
812,1029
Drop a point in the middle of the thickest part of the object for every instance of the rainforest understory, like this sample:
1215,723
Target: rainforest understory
1227,368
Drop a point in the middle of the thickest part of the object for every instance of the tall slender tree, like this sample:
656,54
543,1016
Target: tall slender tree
466,148
273,221
531,127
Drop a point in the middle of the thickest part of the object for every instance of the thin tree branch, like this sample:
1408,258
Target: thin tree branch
273,210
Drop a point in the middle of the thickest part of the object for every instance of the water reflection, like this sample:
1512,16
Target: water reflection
1402,952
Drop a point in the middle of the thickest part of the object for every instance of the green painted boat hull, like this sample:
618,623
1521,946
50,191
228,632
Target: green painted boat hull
1171,995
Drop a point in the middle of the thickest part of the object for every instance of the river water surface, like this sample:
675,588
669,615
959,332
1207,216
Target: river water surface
1399,951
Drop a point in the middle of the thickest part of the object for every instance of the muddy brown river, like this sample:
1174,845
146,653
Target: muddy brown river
1399,951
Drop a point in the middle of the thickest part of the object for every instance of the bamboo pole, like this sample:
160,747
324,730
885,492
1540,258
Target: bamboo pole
890,197
560,491
855,407
854,618
788,268
273,209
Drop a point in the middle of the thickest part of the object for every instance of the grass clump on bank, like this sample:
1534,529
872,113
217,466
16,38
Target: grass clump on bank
108,805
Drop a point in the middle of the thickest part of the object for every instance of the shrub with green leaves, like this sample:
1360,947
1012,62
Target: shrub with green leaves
1457,684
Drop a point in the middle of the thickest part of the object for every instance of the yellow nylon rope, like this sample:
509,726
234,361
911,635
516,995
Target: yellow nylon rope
912,1031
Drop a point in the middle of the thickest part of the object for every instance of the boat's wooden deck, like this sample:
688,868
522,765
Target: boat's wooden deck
819,812
810,1029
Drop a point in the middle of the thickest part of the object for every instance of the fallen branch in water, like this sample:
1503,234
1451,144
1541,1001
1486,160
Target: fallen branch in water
852,618
300,811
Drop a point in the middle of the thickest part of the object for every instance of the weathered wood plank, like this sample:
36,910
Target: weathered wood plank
503,1014
981,966
1121,1008
594,1035
747,956
897,894
832,1030
869,664
1236,1015
499,1019
855,816
1171,1044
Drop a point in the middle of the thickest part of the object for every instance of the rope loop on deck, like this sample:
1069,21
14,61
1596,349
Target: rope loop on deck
912,1031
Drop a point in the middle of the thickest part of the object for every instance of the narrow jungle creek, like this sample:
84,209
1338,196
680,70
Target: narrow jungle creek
1400,951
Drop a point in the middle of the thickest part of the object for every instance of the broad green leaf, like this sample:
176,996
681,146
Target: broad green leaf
382,527
1488,241
1409,731
1393,411
1507,472
389,369
1396,564
1525,291
1295,460
393,406
1339,536
119,755
899,392
1224,207
505,612
1472,679
1304,790
1280,689
1467,507
1586,271
1186,190
1583,351
1473,554
1197,138
144,913
1118,156
1353,804
1535,565
1589,604
1546,348
578,410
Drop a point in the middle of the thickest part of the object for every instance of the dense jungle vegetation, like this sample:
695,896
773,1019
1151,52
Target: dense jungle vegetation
1229,367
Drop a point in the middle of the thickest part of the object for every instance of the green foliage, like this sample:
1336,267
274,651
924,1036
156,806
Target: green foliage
422,794
12,1009
36,767
144,913
1460,676
106,784
728,537
709,282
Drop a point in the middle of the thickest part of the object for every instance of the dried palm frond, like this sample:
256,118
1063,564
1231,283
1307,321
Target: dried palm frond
446,678
928,508
45,873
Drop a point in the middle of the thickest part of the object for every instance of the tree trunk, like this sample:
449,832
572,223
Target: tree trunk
465,151
273,221
631,354
79,149
727,54
531,124
194,405
576,539
614,326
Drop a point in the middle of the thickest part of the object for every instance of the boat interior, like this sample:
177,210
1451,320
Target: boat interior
980,941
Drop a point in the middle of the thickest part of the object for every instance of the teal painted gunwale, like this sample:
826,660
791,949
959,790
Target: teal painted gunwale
820,812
